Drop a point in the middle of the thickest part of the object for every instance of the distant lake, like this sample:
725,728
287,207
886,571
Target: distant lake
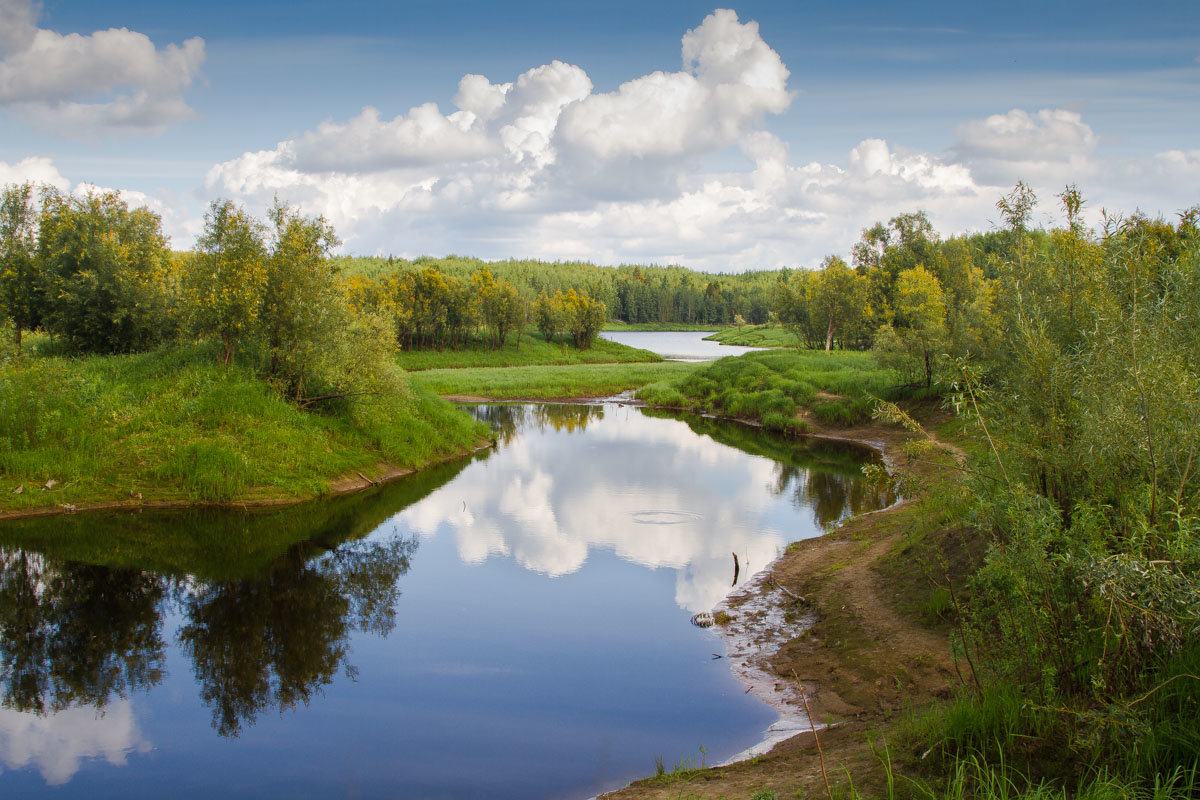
678,345
512,625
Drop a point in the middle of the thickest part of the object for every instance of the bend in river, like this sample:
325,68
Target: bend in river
515,624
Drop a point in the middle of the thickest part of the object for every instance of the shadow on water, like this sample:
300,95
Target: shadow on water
268,600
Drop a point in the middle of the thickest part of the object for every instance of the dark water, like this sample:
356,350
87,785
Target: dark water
512,625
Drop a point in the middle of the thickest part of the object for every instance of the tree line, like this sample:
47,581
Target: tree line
100,278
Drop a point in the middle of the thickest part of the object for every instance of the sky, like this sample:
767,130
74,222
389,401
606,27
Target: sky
754,136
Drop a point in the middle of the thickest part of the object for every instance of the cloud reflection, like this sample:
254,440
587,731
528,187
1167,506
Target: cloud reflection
615,479
56,743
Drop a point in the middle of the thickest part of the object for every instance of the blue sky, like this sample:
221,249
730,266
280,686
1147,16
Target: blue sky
793,125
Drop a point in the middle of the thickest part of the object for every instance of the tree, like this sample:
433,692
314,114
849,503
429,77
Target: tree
837,298
22,291
105,271
302,302
226,282
547,315
919,334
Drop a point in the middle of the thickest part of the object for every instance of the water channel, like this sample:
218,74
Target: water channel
511,625
678,345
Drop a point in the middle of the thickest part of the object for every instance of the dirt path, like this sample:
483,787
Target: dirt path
862,656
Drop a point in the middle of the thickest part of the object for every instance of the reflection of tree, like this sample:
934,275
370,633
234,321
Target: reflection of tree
76,633
276,639
507,420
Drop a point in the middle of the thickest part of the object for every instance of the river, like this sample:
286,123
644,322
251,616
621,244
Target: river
678,345
512,625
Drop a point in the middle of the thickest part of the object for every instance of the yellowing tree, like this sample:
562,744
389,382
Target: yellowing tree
225,283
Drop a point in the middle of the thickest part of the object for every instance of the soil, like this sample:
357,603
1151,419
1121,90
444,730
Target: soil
868,653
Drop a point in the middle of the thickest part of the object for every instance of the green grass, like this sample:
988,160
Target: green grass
174,426
756,336
534,350
617,325
770,387
547,382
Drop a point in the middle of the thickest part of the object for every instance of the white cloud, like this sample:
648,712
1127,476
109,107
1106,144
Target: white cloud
99,83
35,169
1052,145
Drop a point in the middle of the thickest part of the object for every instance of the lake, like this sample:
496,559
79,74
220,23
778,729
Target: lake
678,345
511,625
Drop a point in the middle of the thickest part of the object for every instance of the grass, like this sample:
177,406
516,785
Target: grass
533,350
174,426
771,387
547,382
756,336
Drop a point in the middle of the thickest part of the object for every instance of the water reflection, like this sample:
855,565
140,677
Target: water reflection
273,641
57,742
633,486
76,634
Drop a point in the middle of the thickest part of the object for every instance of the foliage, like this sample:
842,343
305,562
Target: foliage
103,269
771,386
532,350
226,283
22,291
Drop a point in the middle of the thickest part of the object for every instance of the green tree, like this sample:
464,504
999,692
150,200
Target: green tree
919,335
837,298
226,282
22,291
105,268
303,306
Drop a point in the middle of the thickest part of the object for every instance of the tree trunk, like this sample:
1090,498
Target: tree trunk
829,335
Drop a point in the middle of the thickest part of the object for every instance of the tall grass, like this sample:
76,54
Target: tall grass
770,387
173,425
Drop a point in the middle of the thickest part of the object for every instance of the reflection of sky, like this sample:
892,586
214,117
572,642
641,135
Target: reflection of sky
57,743
547,498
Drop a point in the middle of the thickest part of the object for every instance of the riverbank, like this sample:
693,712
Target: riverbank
173,428
852,620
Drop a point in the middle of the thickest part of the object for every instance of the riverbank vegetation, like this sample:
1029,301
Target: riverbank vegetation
768,335
1058,546
546,382
533,350
240,370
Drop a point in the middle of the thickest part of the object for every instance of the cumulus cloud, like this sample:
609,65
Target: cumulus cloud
35,169
106,81
1051,145
544,166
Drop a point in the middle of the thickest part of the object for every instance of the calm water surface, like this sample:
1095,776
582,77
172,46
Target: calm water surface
678,345
512,625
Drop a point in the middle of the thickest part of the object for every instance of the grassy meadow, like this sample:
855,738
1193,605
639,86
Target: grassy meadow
547,382
756,336
532,350
173,425
837,388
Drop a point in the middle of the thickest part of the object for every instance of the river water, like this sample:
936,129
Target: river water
512,625
678,345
